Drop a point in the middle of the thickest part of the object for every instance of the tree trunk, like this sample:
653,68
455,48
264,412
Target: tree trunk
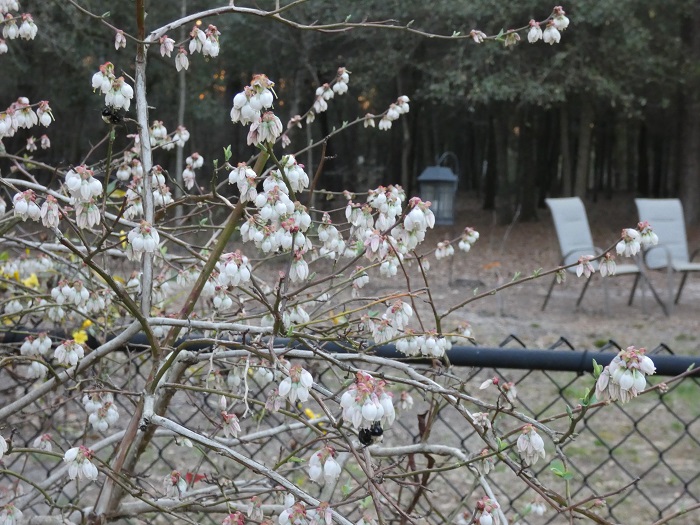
504,208
583,156
690,125
527,168
566,174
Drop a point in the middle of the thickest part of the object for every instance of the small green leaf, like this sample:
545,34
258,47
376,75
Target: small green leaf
295,459
569,412
227,153
111,186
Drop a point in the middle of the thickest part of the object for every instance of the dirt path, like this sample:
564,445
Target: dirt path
500,253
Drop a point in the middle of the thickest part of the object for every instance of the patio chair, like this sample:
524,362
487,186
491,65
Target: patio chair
666,218
575,240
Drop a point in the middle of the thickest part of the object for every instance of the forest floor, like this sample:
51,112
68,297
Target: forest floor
524,247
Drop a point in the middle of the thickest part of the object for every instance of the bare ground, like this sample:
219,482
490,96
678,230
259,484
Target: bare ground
502,251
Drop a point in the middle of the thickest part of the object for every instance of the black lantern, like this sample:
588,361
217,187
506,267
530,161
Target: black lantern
438,184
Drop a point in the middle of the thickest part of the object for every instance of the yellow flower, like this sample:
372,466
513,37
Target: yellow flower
31,282
80,336
86,324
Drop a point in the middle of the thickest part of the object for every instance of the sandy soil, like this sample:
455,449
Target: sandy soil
502,251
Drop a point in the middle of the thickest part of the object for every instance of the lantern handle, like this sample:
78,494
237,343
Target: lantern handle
451,156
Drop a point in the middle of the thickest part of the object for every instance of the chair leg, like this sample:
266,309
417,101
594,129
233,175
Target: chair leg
549,292
680,288
583,292
634,289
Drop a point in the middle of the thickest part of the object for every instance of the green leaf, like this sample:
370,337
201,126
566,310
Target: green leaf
227,153
557,467
295,459
111,186
569,412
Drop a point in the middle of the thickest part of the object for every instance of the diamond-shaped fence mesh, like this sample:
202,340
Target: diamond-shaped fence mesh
640,458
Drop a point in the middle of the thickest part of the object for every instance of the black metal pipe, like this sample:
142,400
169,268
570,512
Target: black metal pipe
579,361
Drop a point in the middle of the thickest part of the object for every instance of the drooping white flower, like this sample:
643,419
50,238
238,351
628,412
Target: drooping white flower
3,447
630,244
530,445
551,34
175,485
584,266
79,464
231,425
323,467
25,206
560,21
647,236
82,185
535,32
69,352
296,385
366,402
142,239
181,60
10,515
625,377
167,45
119,40
50,213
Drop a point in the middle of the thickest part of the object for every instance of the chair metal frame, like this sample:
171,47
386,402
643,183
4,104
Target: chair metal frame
665,216
575,240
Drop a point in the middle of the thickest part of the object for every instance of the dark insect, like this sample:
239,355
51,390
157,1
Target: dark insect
112,115
369,436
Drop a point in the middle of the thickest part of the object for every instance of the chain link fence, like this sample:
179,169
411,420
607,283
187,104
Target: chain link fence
649,448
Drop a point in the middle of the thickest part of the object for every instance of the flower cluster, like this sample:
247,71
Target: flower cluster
205,42
142,239
79,464
486,510
430,344
367,402
117,92
625,377
25,206
444,249
296,385
39,345
101,409
468,238
248,104
633,240
398,108
21,115
243,176
323,466
192,163
69,352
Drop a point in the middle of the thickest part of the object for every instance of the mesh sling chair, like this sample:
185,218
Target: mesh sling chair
575,240
666,219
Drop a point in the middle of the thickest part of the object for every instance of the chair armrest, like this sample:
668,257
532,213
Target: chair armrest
692,255
669,259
